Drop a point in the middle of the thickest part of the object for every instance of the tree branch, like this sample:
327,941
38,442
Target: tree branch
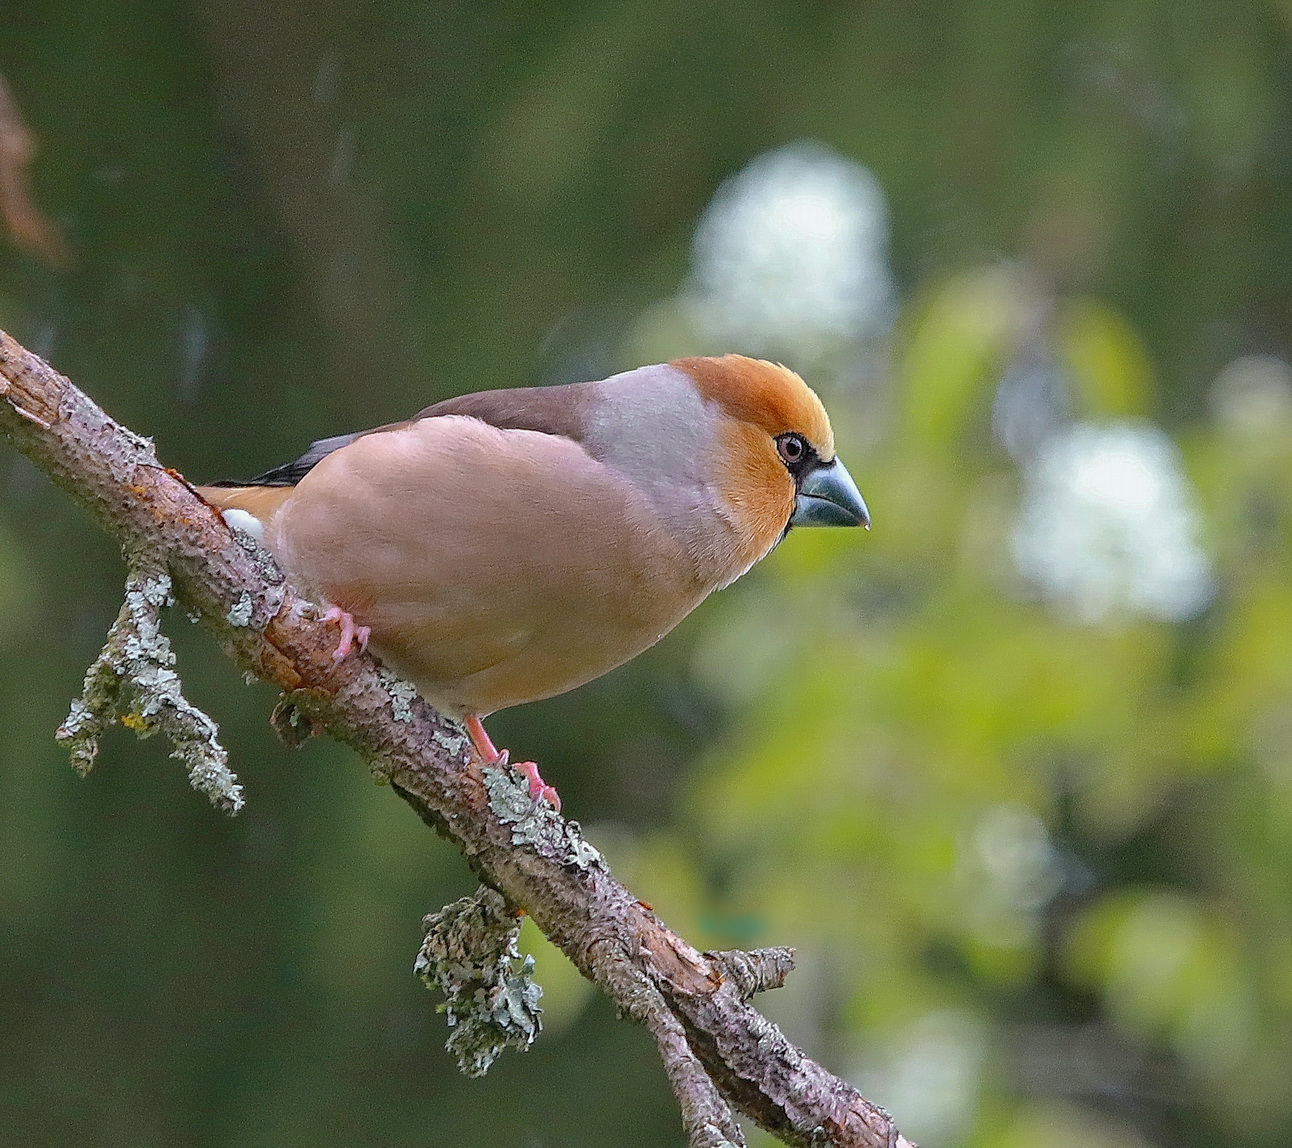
720,1054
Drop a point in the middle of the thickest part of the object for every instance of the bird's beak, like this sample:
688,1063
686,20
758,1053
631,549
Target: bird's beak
828,497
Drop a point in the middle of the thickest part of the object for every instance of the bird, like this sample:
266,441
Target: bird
509,545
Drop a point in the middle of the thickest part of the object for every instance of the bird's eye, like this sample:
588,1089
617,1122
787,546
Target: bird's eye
793,448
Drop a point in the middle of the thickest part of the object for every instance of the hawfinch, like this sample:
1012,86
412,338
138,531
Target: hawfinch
510,545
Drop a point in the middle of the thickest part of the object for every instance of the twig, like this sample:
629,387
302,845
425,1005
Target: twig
694,1004
755,971
706,1117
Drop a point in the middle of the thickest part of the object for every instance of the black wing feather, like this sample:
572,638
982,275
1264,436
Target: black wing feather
290,473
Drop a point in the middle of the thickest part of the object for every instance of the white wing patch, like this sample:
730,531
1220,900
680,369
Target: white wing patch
247,523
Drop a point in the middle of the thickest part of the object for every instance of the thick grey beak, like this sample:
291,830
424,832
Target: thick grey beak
829,497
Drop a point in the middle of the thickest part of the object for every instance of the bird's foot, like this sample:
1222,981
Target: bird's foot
539,790
489,754
351,635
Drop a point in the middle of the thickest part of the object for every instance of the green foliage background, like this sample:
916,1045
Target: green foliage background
1039,870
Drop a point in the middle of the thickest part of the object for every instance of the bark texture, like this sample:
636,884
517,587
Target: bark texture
720,1054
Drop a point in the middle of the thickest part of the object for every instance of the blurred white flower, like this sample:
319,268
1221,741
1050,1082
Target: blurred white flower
1012,850
1109,524
1007,871
790,257
1032,400
932,1076
1253,395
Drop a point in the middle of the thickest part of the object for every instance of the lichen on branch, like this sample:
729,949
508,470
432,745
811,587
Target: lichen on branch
470,954
137,663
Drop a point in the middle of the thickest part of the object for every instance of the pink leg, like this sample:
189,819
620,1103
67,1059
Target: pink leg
480,742
350,633
539,790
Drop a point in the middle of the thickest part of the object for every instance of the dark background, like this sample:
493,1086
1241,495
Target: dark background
1013,772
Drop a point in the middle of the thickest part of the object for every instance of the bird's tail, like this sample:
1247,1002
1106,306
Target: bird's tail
258,501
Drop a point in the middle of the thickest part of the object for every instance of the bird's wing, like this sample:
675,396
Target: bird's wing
559,410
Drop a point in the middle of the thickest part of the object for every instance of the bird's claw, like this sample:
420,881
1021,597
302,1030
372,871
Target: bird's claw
351,635
489,754
539,790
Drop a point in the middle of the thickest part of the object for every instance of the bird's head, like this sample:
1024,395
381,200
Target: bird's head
777,466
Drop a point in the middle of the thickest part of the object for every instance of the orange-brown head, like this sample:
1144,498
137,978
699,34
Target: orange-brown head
776,450
763,396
